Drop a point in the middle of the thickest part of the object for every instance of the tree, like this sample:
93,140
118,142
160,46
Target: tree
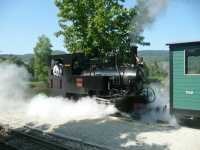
30,67
96,27
156,71
42,51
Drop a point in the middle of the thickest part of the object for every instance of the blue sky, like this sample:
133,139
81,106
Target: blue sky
22,21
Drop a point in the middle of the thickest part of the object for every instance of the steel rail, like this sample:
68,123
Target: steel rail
7,146
43,142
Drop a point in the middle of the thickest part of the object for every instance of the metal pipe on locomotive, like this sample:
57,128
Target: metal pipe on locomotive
77,75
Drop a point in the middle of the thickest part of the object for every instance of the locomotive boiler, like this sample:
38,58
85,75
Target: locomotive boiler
76,75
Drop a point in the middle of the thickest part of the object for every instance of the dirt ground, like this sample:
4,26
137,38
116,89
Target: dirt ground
133,135
121,134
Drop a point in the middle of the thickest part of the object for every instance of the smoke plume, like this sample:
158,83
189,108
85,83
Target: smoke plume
147,12
17,106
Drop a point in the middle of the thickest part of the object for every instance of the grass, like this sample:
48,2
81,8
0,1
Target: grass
39,87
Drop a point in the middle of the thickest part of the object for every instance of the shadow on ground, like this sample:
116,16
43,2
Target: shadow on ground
112,133
191,123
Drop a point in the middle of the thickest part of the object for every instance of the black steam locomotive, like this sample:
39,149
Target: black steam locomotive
76,75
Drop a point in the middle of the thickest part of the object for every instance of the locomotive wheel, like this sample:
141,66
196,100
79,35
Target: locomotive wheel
70,96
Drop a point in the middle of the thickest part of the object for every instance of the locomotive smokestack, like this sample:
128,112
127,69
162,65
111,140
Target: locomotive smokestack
134,50
133,53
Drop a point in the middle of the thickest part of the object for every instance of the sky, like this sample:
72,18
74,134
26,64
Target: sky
23,21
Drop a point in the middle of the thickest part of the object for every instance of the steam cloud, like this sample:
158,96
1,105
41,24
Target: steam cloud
161,102
17,104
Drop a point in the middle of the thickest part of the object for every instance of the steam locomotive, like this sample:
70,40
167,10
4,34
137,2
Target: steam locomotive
77,75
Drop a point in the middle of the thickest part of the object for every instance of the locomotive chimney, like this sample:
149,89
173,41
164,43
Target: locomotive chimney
133,52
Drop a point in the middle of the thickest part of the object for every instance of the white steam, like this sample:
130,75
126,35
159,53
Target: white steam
160,109
13,82
61,110
16,104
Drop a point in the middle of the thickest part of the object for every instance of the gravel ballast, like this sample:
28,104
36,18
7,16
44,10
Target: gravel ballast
116,133
133,135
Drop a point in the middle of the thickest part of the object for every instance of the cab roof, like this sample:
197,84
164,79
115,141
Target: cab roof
184,43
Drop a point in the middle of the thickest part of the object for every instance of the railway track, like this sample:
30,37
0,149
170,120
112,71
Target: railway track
28,138
4,146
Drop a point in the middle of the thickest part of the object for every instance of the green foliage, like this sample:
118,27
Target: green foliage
42,51
30,66
38,87
151,56
96,27
156,72
155,61
12,59
146,71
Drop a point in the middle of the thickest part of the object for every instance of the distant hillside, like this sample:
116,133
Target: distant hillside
148,55
27,57
58,52
154,55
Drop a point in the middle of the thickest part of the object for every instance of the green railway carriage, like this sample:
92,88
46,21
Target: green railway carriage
185,78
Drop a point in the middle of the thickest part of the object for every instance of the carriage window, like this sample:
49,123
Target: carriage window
192,61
